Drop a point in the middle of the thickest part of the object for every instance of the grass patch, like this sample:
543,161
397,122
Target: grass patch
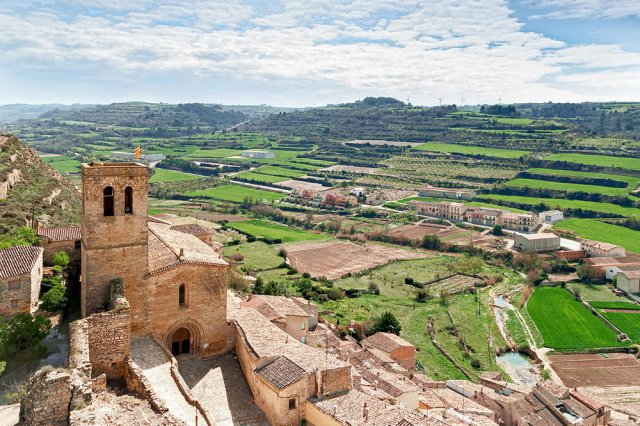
65,166
165,175
257,256
516,330
595,292
272,230
237,193
616,305
563,186
279,171
565,324
628,323
561,204
215,153
260,177
472,150
632,181
598,160
596,230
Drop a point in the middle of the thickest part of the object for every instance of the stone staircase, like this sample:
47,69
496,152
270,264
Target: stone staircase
155,364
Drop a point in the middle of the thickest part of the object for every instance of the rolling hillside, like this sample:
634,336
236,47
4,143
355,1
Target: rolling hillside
27,185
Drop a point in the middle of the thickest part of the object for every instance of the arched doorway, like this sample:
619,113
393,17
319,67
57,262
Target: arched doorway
181,342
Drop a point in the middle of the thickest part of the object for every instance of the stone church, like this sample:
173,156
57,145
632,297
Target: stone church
174,282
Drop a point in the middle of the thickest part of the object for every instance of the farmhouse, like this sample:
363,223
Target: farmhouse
537,242
551,216
522,222
398,349
453,193
600,249
65,238
629,281
570,255
283,312
20,278
251,153
610,266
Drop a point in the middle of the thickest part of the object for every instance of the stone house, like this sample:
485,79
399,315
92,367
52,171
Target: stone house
20,279
629,281
283,312
174,282
600,249
62,238
310,309
398,349
282,372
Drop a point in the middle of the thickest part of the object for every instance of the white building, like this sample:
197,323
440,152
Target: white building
551,216
600,249
252,153
357,191
629,281
537,242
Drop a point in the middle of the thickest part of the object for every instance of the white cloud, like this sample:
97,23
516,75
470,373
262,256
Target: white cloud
590,9
471,48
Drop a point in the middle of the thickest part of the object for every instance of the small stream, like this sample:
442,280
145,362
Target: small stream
519,367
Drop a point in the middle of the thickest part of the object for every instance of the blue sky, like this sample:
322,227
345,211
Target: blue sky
314,52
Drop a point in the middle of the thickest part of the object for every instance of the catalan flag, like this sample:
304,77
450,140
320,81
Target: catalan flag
137,152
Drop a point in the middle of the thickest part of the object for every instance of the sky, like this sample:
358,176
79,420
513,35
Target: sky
316,52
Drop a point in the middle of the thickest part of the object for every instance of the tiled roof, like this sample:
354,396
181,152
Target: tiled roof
632,275
599,245
261,306
166,244
281,372
61,233
387,342
193,229
18,260
283,305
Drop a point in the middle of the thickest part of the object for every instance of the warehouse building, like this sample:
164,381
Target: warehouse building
537,242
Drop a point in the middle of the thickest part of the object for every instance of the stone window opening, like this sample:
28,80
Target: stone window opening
128,200
301,326
182,296
108,201
77,244
292,403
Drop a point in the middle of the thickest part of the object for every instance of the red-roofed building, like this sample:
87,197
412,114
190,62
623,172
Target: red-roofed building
398,349
283,312
61,238
20,278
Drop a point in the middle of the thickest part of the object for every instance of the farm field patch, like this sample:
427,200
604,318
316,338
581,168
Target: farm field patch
627,322
601,231
563,186
612,369
260,177
336,259
279,171
272,230
597,160
632,181
165,175
595,293
565,324
474,150
237,193
257,256
63,164
215,153
559,203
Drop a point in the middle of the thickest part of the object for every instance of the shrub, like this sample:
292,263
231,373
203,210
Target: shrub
497,230
373,288
60,258
408,280
237,257
55,299
251,239
23,332
335,294
306,275
476,364
57,270
545,374
387,323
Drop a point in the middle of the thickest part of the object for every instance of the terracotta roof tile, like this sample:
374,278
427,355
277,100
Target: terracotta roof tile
387,342
18,260
61,233
261,306
282,372
193,229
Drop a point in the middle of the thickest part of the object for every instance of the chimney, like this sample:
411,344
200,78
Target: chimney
365,412
181,254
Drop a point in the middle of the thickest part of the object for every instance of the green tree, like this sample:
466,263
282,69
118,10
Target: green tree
60,258
497,230
25,331
55,299
386,323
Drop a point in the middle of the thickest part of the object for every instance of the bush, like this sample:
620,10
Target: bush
23,332
60,258
408,280
497,230
237,257
55,299
476,364
335,293
373,288
57,270
387,323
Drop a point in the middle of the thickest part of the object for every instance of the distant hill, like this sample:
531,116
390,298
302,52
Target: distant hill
14,112
28,185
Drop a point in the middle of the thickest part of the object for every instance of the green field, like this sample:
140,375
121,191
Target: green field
632,181
258,256
279,171
320,163
63,164
165,175
561,203
628,323
598,160
474,150
260,177
215,153
237,193
563,186
272,230
594,293
596,230
565,324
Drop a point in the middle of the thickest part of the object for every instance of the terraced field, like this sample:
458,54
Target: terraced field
165,175
632,181
597,160
560,203
597,230
473,150
237,193
272,230
563,186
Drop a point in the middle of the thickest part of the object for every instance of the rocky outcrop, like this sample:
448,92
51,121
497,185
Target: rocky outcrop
9,181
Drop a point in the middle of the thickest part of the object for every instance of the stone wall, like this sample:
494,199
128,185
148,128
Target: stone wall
109,342
47,400
69,247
